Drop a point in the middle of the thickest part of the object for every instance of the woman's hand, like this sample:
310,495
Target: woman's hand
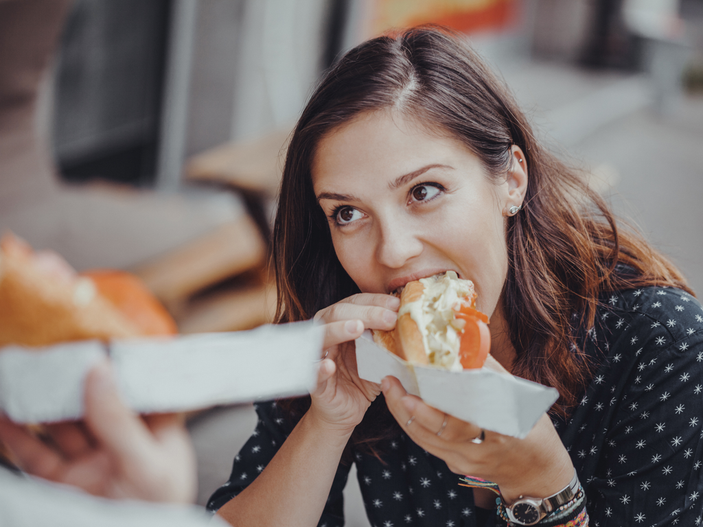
537,466
112,453
342,398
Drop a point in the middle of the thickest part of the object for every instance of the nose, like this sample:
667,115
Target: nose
397,242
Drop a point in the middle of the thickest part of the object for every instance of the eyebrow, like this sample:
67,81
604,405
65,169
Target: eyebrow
398,182
336,197
403,180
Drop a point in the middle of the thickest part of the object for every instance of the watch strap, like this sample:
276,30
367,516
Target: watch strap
565,495
544,506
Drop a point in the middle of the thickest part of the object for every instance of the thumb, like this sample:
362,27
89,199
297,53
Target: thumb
115,427
326,370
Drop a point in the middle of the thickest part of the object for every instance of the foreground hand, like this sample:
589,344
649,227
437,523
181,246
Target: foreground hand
537,466
341,397
113,453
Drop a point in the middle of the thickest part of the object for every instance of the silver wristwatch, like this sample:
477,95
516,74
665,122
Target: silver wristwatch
528,511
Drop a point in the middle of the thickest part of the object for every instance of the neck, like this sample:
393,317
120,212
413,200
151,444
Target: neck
502,349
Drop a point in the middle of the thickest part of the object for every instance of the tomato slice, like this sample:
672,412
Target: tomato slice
475,340
472,312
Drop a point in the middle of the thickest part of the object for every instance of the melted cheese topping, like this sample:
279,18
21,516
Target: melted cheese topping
434,315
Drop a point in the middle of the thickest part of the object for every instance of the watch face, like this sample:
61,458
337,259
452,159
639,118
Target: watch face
525,513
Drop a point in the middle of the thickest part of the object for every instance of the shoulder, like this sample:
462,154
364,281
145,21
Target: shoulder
647,346
658,316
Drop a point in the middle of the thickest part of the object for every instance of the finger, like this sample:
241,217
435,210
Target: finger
425,416
372,299
400,403
159,422
348,363
72,439
336,333
432,420
91,473
326,371
171,435
426,421
373,317
366,299
30,453
176,479
394,392
114,426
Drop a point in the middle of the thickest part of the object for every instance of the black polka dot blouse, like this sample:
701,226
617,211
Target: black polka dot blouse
635,438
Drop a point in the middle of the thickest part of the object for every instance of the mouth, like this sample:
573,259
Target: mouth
396,286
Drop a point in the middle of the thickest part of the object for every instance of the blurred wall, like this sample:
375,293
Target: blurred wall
144,83
108,89
255,63
211,100
559,29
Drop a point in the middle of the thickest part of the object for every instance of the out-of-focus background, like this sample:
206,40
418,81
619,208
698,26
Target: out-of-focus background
149,135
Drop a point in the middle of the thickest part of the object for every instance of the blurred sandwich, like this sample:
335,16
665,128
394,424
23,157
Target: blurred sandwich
43,301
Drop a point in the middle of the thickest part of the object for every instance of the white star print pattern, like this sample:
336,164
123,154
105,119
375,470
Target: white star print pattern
659,426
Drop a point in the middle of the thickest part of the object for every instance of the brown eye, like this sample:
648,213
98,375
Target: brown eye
424,192
347,215
419,193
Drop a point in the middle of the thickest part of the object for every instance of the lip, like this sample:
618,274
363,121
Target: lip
402,280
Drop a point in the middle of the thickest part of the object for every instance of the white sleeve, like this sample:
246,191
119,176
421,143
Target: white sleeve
28,502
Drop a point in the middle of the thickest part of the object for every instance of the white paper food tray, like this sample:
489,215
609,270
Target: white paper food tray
491,400
157,375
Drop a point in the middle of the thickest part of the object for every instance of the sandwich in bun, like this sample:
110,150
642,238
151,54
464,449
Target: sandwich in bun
43,301
438,324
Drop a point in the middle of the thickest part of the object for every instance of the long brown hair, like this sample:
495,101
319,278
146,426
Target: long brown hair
564,247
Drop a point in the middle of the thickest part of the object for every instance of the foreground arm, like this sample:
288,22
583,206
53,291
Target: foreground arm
293,488
113,453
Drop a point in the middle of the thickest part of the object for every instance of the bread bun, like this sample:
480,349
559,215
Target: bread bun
43,302
439,325
132,298
407,334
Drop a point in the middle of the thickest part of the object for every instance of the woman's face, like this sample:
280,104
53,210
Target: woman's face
403,204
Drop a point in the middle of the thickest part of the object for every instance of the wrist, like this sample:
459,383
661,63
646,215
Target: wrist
540,486
525,510
318,424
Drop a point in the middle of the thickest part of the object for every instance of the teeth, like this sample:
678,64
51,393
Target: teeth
438,276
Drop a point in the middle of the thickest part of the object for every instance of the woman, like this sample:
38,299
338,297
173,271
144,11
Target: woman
411,159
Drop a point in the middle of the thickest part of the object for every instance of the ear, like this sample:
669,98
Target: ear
516,180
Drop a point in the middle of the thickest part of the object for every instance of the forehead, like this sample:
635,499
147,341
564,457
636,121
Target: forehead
382,144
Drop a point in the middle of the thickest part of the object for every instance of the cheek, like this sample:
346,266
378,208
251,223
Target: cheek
484,249
356,258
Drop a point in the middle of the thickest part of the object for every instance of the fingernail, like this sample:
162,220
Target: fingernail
390,317
393,302
353,326
385,384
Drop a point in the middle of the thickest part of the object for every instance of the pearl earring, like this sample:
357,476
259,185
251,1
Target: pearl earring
512,211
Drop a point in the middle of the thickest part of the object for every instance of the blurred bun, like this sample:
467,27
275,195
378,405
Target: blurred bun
132,298
43,301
